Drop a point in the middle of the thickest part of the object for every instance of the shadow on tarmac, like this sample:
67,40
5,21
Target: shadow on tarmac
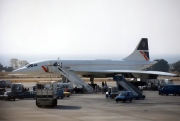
64,107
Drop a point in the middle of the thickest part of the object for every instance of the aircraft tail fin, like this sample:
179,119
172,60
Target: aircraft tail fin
141,53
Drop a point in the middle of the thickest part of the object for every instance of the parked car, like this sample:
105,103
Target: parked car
125,96
27,94
8,96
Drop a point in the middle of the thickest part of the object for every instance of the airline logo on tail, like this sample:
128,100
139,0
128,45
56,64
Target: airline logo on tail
145,54
143,47
141,53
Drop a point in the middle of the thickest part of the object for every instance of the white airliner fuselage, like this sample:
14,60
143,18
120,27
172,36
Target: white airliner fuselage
84,67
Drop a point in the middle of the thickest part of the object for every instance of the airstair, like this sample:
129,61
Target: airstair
71,76
128,86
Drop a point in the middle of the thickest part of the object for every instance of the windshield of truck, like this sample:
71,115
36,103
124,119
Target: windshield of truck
114,89
44,86
123,93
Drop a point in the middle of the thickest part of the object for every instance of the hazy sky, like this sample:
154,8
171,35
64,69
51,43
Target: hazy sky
87,29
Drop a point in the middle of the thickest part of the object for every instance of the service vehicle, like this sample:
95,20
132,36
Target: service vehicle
2,90
67,94
17,88
29,94
125,96
46,93
112,92
170,89
8,84
8,96
2,84
60,93
65,86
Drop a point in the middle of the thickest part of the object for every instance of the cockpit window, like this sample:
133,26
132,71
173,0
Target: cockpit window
35,65
31,65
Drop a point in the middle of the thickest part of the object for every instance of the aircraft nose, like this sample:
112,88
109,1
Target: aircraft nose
19,71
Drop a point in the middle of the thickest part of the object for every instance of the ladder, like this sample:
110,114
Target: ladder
75,79
128,86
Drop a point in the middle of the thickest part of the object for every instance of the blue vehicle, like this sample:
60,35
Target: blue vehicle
125,96
170,89
60,93
2,84
29,94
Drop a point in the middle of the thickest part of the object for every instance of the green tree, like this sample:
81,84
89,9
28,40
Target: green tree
176,66
1,67
161,65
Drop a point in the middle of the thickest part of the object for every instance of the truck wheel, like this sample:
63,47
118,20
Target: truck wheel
117,101
124,101
130,100
37,104
55,102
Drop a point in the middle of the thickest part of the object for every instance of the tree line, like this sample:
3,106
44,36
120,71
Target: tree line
162,65
6,69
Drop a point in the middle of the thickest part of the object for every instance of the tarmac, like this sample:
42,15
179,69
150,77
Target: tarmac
94,107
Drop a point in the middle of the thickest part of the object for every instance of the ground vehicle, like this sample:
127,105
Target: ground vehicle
8,96
60,93
125,96
8,83
64,86
2,84
46,93
112,92
166,82
2,90
170,89
29,94
17,88
26,94
66,94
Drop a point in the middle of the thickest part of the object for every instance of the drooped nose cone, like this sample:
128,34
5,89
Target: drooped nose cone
22,70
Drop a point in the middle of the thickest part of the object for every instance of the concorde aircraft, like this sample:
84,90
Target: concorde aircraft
133,66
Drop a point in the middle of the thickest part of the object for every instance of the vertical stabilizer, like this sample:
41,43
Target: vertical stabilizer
141,53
